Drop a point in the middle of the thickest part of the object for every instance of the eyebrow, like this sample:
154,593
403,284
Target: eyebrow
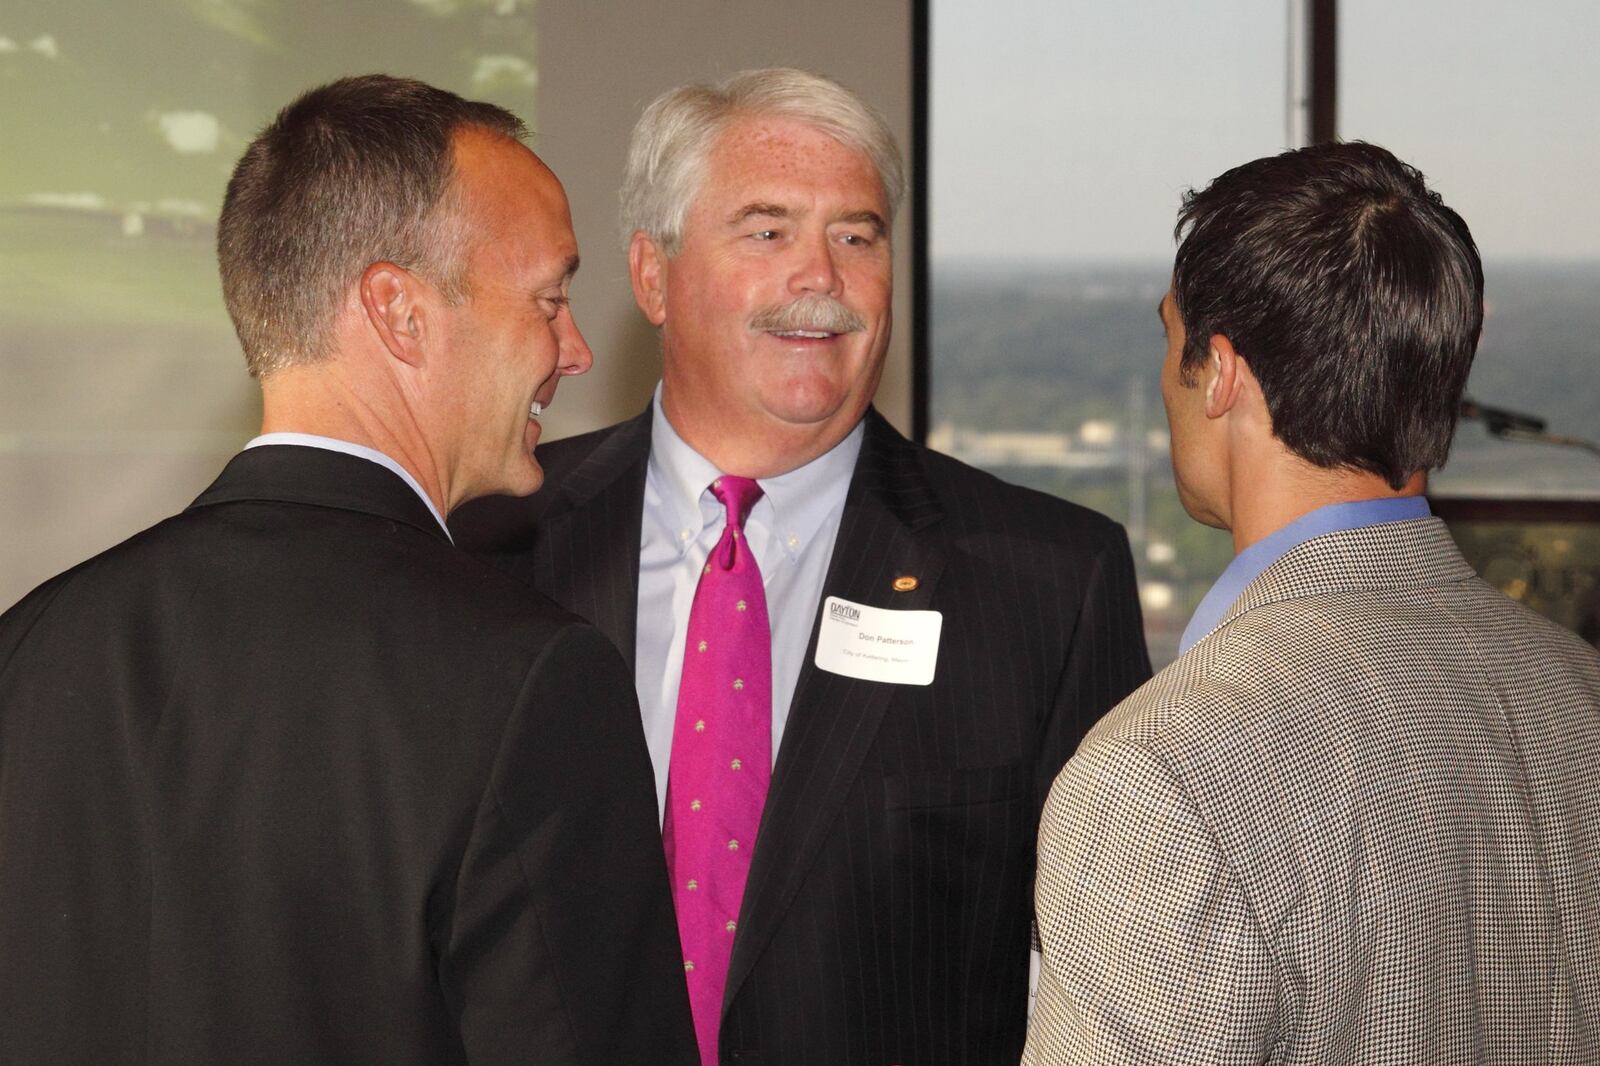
569,268
753,210
761,209
870,218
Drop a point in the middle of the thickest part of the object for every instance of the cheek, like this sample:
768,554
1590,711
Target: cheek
722,284
543,346
733,298
1174,393
870,288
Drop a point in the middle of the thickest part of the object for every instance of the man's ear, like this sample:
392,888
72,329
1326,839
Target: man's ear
1225,375
647,269
391,299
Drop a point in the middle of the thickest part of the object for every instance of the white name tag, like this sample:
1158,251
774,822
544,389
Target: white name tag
874,644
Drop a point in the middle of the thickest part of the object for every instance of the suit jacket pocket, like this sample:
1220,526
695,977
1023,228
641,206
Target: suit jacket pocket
962,786
960,861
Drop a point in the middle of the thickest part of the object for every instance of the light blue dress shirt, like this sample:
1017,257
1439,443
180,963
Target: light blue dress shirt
791,530
1249,564
360,451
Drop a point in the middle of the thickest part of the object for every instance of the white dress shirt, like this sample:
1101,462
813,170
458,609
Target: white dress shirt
791,530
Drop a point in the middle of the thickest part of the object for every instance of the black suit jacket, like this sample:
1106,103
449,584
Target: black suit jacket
289,779
886,916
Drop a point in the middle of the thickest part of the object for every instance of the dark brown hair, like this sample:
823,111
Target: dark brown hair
1354,294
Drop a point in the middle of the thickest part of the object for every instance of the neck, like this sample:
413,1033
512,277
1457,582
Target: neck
1269,495
754,451
319,399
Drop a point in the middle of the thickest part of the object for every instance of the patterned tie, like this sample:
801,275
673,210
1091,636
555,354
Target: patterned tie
721,758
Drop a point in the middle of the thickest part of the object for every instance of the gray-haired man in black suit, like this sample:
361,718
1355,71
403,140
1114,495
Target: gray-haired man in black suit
939,640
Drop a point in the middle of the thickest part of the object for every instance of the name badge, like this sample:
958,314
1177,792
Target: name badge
874,644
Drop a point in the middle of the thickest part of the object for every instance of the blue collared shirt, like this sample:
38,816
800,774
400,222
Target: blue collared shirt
791,530
1249,564
360,451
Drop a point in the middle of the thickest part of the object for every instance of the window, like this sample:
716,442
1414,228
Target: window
1495,104
1061,136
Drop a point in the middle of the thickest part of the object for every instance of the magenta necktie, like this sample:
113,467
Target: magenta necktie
721,758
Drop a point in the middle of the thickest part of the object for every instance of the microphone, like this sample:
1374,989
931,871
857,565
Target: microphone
1512,425
1498,420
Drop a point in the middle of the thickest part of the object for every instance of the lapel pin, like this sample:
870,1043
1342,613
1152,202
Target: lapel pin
905,583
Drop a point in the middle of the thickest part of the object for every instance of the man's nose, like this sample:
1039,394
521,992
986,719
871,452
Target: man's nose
815,269
574,356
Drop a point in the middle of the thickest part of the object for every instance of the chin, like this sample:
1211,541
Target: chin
1204,517
524,481
803,415
808,403
531,483
1198,511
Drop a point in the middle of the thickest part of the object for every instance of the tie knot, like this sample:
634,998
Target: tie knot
738,495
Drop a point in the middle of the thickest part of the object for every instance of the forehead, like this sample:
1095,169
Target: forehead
779,160
511,200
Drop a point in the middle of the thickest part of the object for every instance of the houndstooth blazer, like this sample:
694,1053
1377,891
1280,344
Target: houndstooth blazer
1358,822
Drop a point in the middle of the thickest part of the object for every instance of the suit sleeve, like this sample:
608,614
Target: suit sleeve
1152,954
563,947
1105,661
17,622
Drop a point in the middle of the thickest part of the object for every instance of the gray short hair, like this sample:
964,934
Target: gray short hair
672,142
353,173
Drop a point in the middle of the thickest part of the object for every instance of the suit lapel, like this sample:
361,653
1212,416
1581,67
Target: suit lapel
834,720
588,554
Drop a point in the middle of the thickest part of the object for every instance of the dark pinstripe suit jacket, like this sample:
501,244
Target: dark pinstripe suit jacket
886,917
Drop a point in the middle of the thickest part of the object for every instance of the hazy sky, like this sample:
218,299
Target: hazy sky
1069,128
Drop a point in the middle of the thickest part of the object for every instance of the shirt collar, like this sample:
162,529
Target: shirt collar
794,504
333,444
1250,563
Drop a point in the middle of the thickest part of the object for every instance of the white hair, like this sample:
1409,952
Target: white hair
673,139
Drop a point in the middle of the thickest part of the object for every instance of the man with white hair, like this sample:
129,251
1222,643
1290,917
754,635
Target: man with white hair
864,659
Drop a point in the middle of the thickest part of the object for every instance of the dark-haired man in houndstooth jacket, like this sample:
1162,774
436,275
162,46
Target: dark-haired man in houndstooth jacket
1358,819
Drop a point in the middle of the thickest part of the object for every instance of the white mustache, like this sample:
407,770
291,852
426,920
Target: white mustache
816,313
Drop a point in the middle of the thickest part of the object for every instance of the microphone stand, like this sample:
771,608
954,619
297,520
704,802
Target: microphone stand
1514,426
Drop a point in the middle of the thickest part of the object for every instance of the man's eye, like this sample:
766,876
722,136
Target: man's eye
554,306
765,235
